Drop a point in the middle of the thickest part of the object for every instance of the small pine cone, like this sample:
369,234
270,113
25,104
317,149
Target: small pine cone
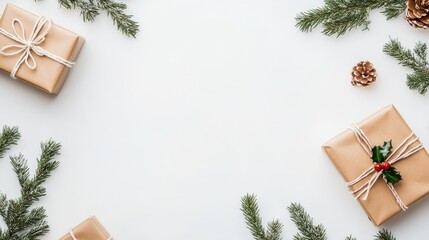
417,13
363,74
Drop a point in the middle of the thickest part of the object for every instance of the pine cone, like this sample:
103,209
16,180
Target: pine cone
363,74
417,13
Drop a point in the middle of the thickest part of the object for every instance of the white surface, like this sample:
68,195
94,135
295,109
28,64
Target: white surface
162,135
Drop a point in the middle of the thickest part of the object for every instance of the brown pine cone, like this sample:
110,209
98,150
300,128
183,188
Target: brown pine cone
363,74
417,13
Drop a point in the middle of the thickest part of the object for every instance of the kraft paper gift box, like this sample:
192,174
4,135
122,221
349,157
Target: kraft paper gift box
351,160
59,43
90,229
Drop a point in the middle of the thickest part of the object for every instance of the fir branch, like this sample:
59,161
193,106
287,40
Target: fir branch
416,60
250,210
8,137
124,22
384,234
418,81
421,51
305,224
339,16
394,8
24,222
274,230
3,204
90,9
405,56
308,231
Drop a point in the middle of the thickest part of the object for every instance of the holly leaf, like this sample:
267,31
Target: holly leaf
377,156
379,153
385,149
392,175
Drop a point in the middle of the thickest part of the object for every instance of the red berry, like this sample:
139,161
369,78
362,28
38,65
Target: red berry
385,166
377,167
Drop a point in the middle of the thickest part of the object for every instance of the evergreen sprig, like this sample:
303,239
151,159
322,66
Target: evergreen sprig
383,234
249,207
23,221
305,224
350,238
8,137
303,221
90,9
339,16
415,59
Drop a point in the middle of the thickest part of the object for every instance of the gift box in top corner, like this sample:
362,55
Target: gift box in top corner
90,229
383,164
35,49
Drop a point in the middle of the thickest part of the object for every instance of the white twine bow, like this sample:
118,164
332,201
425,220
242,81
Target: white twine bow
26,47
367,146
74,237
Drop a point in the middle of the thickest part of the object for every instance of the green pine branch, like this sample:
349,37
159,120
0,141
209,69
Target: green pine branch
274,230
8,137
415,59
123,22
339,16
250,210
305,224
23,221
383,234
303,221
90,9
394,8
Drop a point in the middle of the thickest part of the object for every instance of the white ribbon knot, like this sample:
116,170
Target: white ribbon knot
26,47
367,146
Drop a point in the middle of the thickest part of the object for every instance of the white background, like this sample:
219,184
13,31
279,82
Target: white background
163,134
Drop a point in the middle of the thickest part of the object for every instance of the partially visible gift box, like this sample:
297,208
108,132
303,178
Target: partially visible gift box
90,229
36,50
349,156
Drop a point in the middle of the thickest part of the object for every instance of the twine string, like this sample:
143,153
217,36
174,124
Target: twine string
398,199
362,139
404,152
26,47
72,235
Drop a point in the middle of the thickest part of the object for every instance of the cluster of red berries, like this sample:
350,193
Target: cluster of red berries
382,166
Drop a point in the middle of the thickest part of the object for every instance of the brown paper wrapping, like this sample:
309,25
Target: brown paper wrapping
90,229
351,160
49,74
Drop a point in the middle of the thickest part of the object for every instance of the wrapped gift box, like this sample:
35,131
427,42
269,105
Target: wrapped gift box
48,74
351,160
90,229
